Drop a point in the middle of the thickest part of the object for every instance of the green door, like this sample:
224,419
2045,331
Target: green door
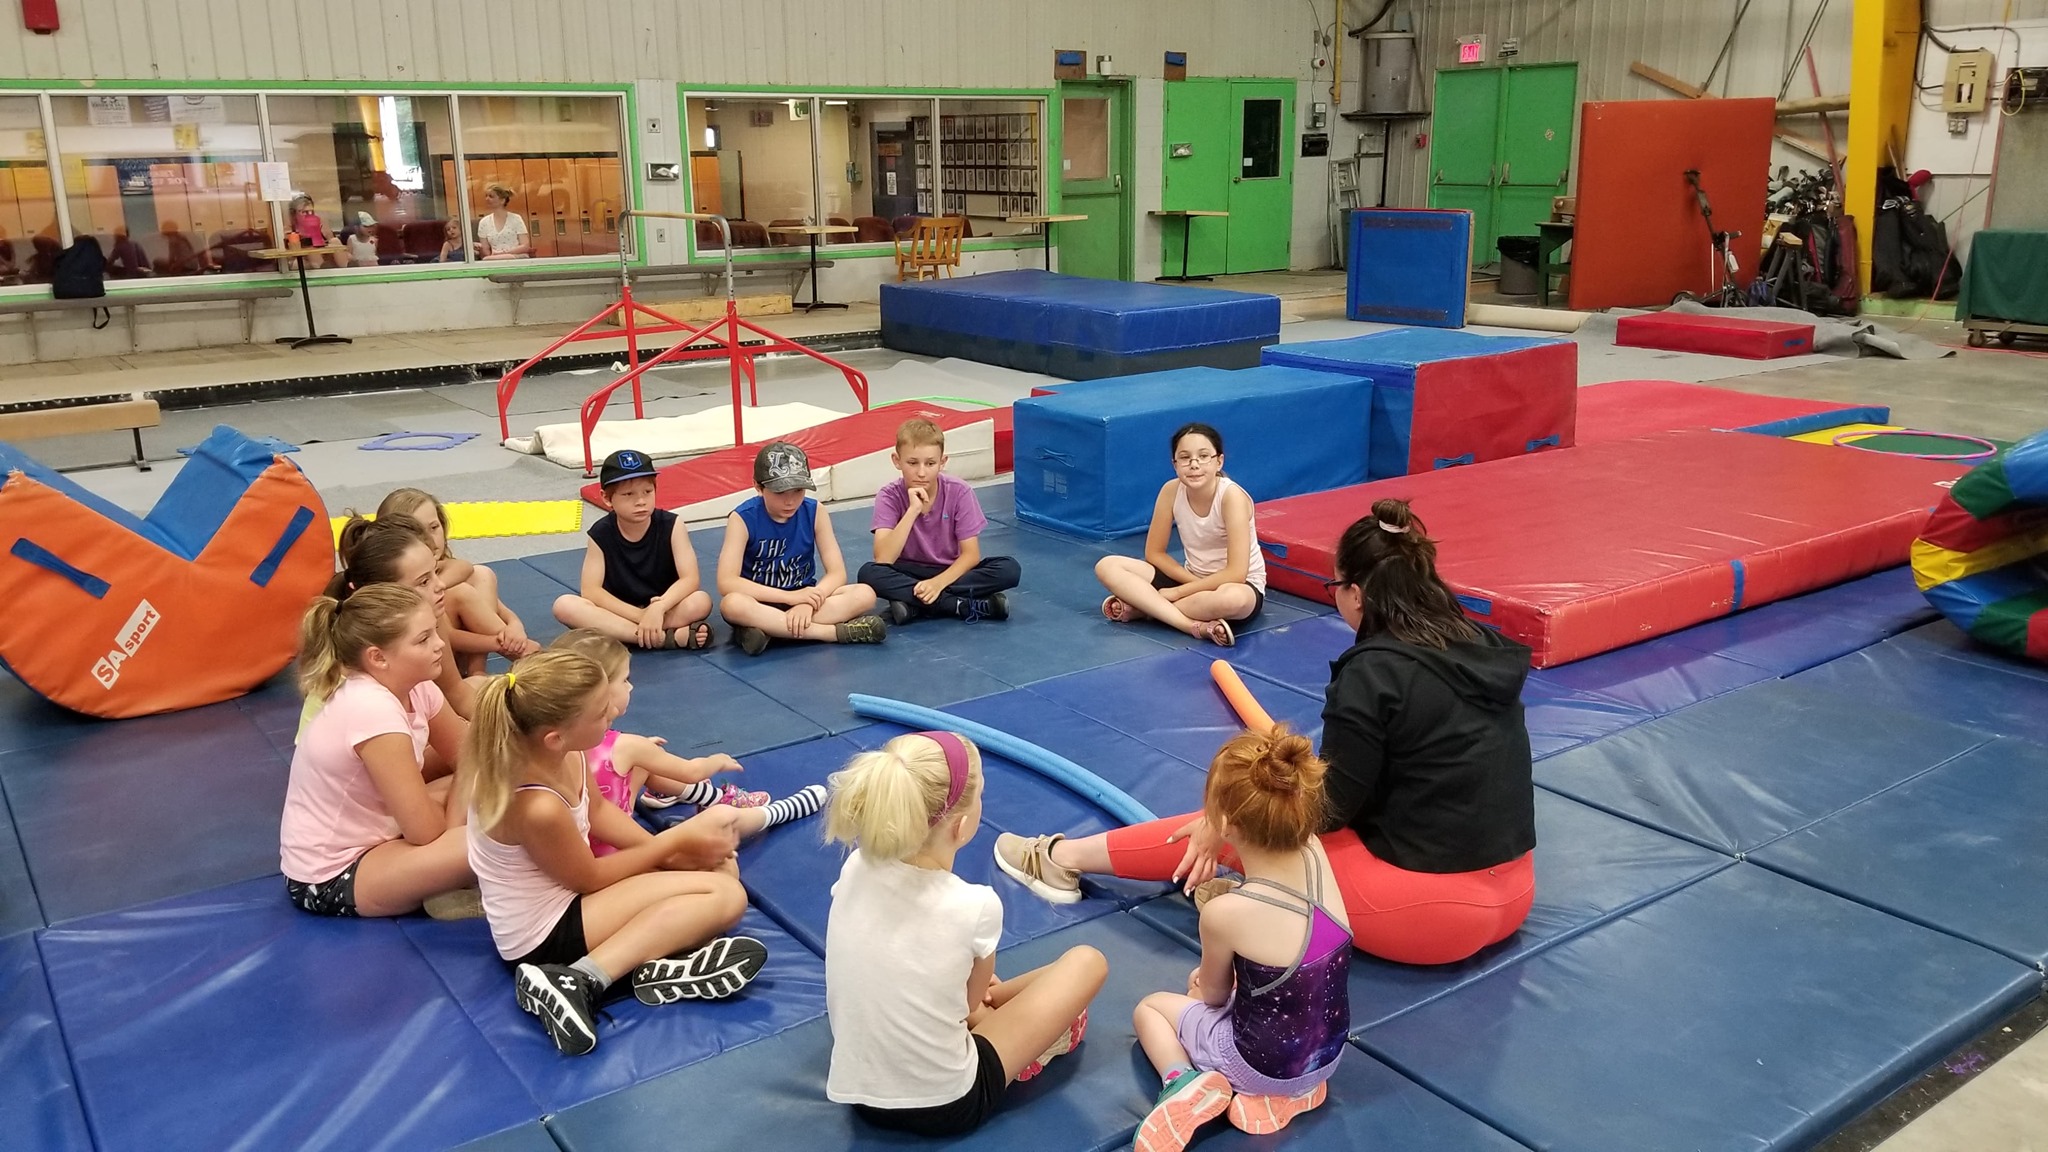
1535,145
1464,132
1200,159
1261,200
1095,171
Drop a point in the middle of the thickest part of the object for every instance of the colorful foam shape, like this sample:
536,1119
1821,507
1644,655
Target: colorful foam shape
199,601
1982,558
41,1109
1779,1013
416,441
1620,409
1576,553
1714,334
1441,399
1077,328
1409,266
1090,460
183,1017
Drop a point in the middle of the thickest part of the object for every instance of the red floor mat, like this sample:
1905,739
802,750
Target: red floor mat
1620,409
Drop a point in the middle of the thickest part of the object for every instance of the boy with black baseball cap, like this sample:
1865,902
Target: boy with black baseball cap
639,584
780,573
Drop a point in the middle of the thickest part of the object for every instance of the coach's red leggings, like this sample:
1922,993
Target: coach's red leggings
1407,917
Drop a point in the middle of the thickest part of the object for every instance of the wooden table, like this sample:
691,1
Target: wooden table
1045,224
1551,235
814,231
1187,227
299,256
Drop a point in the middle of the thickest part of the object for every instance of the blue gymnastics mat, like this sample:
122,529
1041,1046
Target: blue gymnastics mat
38,1100
1590,868
1077,328
1409,266
1958,849
229,1018
1170,703
1907,675
1738,771
20,911
1746,1011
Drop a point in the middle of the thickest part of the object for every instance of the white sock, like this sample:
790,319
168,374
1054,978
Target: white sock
589,968
795,806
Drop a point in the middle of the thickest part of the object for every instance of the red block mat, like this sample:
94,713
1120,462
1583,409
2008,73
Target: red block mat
1715,335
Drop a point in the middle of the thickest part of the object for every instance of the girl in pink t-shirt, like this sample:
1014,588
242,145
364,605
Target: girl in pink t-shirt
365,832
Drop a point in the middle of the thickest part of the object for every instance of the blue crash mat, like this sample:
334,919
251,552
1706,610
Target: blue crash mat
1107,316
1744,1012
634,1042
772,1094
231,1019
1409,266
1741,770
1169,702
41,1106
218,824
1902,675
1590,868
1958,849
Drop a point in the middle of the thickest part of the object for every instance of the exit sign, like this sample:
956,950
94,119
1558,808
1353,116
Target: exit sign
1471,49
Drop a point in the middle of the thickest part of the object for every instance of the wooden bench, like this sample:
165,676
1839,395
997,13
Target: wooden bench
709,272
79,419
246,296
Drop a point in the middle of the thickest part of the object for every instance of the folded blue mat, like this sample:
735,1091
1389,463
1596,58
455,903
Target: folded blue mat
1743,769
1902,675
1590,868
1170,703
38,1101
1958,849
1746,1011
634,1042
1110,316
229,1018
566,567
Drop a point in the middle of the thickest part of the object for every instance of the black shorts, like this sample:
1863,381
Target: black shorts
960,1117
564,944
1162,580
332,897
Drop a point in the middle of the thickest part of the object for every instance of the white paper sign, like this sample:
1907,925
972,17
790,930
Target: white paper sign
273,177
107,111
198,110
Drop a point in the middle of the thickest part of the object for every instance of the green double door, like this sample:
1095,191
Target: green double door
1227,150
1501,146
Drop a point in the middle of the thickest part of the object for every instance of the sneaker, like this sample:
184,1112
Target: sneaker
1211,889
656,801
565,1000
1029,862
713,972
862,630
752,641
1260,1115
731,796
461,904
1068,1041
899,612
996,607
1188,1103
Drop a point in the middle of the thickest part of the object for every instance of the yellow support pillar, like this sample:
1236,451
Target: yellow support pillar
1881,80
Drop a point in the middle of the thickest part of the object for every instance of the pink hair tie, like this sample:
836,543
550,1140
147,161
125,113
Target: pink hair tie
1398,530
956,769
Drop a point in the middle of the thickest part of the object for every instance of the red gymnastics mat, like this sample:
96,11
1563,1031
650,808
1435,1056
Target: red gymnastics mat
1620,409
1714,335
1582,551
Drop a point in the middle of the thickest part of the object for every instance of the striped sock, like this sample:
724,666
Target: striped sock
795,806
701,793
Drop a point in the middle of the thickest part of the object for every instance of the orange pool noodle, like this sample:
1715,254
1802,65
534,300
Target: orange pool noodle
1241,700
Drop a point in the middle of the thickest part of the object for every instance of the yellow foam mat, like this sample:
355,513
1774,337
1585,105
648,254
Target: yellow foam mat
480,519
1827,435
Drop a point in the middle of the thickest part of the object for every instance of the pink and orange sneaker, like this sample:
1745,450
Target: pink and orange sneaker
1068,1041
1260,1115
1191,1101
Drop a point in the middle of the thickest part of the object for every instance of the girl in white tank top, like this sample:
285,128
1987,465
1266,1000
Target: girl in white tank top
1223,577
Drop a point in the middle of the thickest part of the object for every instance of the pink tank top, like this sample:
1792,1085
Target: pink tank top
522,902
612,784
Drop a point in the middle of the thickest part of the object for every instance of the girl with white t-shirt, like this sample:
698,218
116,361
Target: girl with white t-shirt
924,1037
365,833
500,233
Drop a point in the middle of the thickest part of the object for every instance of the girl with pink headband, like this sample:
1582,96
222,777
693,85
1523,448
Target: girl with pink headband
924,1037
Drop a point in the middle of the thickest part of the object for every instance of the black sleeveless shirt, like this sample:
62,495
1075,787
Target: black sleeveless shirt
638,571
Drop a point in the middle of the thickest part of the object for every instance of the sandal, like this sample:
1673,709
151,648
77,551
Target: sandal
1115,611
1218,633
695,638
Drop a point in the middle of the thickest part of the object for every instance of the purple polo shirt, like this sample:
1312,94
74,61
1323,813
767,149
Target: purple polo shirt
955,515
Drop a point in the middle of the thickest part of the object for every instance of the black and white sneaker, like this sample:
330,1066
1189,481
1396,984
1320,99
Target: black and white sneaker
565,1000
899,612
713,972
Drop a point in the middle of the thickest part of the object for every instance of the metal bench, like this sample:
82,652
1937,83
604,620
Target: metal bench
245,296
79,419
794,270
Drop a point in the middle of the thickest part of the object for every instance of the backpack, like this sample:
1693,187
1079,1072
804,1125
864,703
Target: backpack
80,273
1910,253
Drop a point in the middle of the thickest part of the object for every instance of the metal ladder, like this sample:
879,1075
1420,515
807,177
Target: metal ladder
1344,194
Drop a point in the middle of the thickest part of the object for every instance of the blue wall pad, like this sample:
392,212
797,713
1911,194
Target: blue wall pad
231,1019
1077,328
1090,460
19,908
214,789
634,1042
1744,1012
1169,702
38,1101
1739,771
1590,868
1958,849
1655,676
1409,266
772,1094
1906,676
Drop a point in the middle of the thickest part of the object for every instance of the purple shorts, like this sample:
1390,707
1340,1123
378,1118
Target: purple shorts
1208,1036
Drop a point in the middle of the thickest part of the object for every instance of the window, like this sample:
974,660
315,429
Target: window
167,183
1084,143
377,170
1261,158
759,175
553,163
29,242
870,166
989,163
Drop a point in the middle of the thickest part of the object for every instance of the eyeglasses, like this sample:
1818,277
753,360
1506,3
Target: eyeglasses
1183,459
1333,585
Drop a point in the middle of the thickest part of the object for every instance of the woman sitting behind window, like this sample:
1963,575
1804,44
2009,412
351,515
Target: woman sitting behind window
500,233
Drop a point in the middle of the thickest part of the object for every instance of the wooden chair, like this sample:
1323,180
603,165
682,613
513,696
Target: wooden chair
934,245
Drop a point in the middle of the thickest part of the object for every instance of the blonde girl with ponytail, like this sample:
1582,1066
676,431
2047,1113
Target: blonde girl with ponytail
368,830
574,926
924,1038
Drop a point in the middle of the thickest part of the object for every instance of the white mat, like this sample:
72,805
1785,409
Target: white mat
669,436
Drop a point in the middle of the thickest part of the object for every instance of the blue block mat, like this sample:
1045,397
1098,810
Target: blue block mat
1958,849
1409,266
1743,1012
38,1100
1743,769
231,1019
1902,675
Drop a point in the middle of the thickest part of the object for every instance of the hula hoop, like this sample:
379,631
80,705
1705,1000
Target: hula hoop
1848,440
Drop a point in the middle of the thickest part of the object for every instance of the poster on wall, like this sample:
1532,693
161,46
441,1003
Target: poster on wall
274,179
107,111
199,110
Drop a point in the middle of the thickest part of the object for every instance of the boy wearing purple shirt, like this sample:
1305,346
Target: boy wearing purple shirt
928,538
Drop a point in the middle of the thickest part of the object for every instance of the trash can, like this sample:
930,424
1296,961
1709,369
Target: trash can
1518,266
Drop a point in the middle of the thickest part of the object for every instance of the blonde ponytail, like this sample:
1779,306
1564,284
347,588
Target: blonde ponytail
546,690
334,634
887,803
